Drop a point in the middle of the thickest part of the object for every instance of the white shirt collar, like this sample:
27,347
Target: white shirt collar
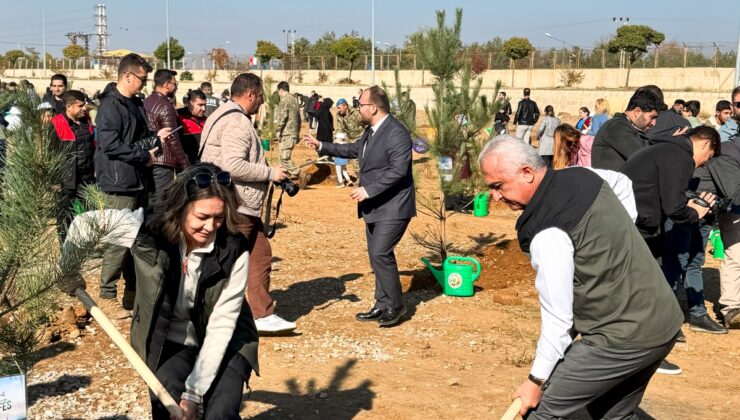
207,248
377,125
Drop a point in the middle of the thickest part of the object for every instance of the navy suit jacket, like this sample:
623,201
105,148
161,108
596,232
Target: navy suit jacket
385,171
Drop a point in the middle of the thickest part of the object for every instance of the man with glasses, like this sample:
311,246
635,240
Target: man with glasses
730,129
119,166
386,199
230,141
161,112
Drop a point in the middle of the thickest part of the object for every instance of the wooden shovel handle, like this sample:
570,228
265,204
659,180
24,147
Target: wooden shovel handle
513,411
119,340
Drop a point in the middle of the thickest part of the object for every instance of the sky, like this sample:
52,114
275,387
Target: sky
140,25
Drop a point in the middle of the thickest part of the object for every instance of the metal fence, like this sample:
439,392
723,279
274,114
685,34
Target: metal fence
663,57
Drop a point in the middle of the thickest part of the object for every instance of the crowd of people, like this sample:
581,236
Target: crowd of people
635,193
612,243
185,190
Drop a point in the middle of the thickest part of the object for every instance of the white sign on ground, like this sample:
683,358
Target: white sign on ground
13,397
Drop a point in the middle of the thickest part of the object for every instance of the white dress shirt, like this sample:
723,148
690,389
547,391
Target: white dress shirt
552,257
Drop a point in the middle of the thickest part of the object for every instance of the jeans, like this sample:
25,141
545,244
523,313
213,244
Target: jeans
683,256
162,176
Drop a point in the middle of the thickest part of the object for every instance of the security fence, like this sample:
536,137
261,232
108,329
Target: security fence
666,56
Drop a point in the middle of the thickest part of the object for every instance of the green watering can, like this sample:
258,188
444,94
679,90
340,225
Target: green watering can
717,245
455,279
480,205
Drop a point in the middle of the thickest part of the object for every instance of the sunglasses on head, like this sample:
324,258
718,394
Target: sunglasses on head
204,180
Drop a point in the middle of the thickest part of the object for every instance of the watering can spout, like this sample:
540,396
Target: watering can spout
436,272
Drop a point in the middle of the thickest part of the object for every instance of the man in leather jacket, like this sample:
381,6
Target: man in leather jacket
527,114
161,113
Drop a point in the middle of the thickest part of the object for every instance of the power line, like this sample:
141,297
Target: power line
31,44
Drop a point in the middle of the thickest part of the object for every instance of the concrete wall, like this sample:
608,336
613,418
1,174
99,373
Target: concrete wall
562,99
680,79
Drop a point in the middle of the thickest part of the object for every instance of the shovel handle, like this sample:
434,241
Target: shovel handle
513,411
120,341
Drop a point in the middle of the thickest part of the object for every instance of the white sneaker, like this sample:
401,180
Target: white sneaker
274,324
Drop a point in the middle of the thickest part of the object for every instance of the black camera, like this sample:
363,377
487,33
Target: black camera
721,204
149,143
289,187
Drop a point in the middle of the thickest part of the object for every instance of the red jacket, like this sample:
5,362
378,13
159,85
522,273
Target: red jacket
79,146
161,114
191,130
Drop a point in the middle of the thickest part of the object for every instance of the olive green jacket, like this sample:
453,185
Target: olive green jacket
350,124
288,117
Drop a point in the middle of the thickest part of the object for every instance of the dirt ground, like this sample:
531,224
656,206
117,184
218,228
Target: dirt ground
453,358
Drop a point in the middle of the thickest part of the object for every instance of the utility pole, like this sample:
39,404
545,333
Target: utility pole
43,26
168,32
737,61
372,43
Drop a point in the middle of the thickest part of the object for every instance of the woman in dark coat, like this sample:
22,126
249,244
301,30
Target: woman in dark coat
191,322
325,130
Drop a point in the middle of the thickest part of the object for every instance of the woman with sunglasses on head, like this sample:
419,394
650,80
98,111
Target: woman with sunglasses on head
191,323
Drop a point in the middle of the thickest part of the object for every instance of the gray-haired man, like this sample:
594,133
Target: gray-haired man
611,292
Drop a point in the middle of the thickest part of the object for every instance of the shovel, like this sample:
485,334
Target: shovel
128,351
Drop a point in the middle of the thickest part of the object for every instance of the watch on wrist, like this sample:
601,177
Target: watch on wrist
542,383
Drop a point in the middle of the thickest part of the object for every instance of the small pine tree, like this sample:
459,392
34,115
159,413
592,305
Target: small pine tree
29,260
458,116
402,107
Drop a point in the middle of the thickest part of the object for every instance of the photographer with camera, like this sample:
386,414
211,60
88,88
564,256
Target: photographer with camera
124,148
722,175
230,141
661,174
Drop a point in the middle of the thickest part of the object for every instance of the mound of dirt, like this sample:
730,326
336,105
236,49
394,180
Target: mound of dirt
504,265
507,271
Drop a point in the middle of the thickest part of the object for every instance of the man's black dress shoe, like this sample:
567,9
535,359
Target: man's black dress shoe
371,315
391,317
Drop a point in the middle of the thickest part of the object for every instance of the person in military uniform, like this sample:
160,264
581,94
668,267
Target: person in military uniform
287,127
348,121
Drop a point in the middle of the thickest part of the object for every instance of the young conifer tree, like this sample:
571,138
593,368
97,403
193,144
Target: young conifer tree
31,274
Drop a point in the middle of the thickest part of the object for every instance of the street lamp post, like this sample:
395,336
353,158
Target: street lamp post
372,42
570,55
167,14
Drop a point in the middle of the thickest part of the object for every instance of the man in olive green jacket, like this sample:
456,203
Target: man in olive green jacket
287,127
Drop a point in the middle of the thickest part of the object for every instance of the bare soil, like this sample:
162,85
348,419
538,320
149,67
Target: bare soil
453,358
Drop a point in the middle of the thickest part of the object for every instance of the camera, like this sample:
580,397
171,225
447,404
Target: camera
149,143
289,187
721,204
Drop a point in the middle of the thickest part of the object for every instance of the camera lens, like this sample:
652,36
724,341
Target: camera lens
289,187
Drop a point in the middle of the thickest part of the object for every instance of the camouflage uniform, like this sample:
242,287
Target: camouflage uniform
351,125
288,127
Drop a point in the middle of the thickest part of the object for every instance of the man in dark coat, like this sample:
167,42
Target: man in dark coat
386,198
624,134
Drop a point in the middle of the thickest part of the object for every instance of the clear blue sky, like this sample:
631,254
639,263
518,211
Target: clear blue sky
201,25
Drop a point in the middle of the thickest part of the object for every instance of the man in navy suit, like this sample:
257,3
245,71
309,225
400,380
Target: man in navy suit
385,198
